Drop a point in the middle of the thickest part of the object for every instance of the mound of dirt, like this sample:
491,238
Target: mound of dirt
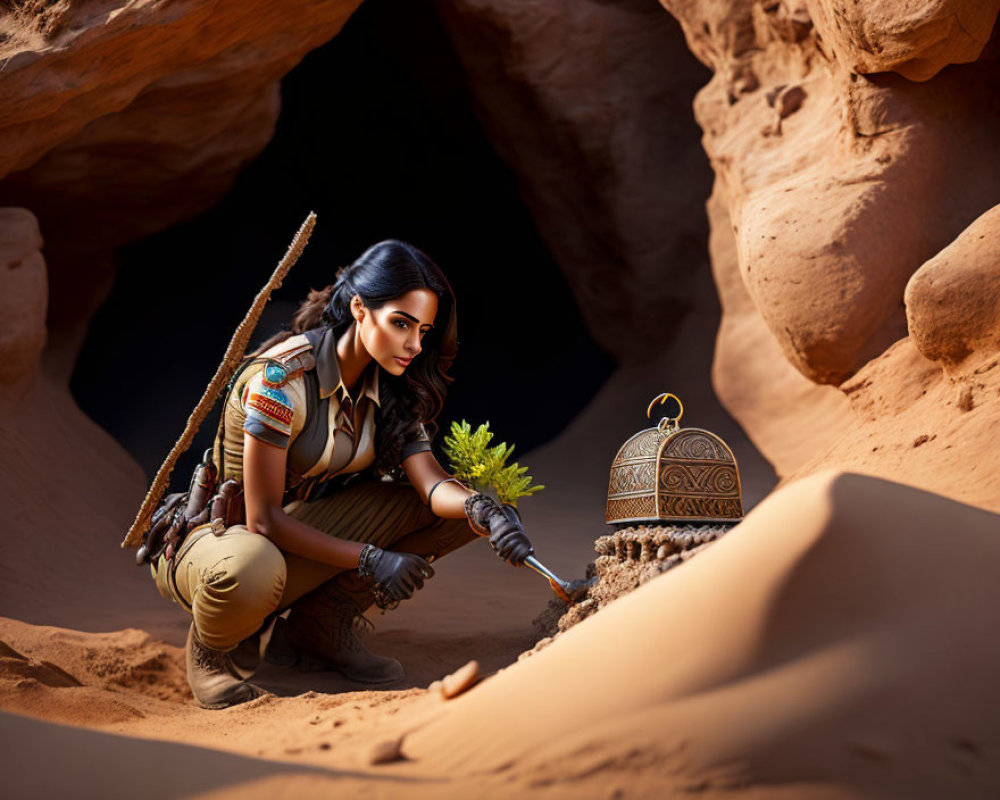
626,559
87,678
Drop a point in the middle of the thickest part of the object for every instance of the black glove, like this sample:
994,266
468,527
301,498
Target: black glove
502,525
396,575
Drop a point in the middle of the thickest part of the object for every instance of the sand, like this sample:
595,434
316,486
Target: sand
815,642
811,652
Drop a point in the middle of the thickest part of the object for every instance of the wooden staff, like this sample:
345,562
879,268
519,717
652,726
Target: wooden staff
234,354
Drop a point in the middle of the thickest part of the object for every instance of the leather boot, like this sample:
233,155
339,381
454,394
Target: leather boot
321,633
213,677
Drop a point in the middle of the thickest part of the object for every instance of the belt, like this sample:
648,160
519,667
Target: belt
318,487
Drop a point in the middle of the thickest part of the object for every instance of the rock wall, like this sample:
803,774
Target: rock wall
840,184
916,41
23,300
67,490
120,119
927,411
852,146
953,300
589,102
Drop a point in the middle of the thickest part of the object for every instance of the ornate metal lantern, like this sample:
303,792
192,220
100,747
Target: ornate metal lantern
670,474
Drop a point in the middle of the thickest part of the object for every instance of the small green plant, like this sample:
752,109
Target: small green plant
485,467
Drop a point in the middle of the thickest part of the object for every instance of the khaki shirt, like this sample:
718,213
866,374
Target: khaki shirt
292,396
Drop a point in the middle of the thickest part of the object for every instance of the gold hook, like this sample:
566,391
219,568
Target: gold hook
662,399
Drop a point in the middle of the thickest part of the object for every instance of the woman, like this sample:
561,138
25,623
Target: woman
321,413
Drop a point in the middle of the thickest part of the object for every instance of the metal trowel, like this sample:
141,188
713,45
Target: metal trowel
567,591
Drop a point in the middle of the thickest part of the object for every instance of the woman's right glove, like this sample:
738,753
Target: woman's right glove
396,575
502,525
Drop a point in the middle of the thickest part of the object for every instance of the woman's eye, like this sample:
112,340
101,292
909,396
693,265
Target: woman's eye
402,324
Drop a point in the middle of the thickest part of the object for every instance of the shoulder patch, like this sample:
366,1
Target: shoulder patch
269,414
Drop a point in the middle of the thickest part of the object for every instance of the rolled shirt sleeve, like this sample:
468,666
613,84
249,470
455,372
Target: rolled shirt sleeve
415,441
269,412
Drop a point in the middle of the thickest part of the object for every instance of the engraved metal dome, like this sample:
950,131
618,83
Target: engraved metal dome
674,474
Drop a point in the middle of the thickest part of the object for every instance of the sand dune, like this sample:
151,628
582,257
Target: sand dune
816,642
810,653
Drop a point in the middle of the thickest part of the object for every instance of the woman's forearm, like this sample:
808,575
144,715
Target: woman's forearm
448,500
442,492
264,485
294,536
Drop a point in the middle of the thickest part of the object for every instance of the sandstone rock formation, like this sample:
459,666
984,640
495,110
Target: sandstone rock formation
953,300
66,487
915,40
589,103
927,411
837,197
833,187
787,416
121,119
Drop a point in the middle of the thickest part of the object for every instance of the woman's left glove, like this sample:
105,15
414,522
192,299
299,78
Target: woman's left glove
396,576
502,525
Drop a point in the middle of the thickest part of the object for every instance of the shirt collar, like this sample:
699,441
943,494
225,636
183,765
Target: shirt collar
328,371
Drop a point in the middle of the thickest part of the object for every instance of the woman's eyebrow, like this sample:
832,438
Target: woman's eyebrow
410,316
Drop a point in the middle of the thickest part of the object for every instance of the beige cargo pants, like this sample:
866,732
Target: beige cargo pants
231,583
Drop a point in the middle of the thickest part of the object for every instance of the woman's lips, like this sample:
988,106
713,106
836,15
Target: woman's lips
404,361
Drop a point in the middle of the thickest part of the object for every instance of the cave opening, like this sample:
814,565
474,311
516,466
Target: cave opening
378,135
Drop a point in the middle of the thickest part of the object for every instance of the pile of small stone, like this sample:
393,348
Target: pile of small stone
626,559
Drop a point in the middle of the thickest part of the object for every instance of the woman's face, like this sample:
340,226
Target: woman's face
392,334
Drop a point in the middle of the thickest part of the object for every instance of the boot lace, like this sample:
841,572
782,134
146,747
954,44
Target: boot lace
346,622
212,660
341,617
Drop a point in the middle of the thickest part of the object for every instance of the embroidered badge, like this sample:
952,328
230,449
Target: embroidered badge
275,374
272,408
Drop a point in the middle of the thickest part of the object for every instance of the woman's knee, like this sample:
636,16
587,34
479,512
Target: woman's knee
453,534
239,590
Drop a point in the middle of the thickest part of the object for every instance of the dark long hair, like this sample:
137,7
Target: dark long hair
382,273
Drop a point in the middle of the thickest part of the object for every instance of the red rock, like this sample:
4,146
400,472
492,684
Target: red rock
953,300
790,417
66,487
917,40
861,183
120,120
83,60
588,102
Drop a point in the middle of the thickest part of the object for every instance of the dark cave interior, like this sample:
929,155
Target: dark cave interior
378,136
